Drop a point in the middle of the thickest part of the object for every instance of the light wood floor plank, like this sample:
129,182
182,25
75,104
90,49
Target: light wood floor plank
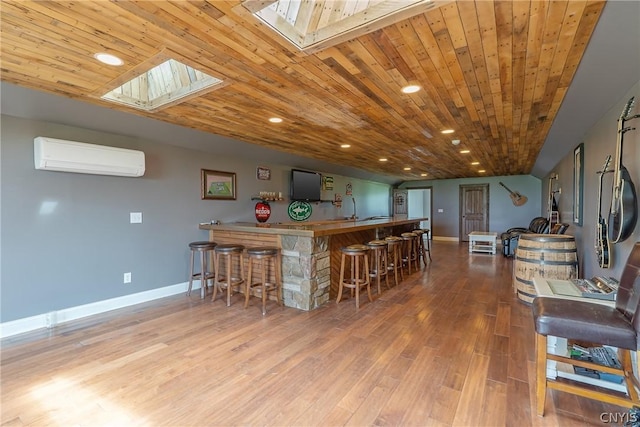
451,345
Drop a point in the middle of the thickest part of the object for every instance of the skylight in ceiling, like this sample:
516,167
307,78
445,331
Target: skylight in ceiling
165,84
313,25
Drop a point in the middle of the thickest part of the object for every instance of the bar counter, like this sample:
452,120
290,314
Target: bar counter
310,250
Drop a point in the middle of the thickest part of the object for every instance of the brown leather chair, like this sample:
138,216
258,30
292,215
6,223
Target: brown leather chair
538,225
597,324
559,228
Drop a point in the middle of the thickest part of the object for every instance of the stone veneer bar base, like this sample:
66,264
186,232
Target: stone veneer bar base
306,272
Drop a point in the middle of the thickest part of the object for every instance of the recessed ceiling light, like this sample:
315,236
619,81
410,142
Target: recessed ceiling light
345,145
275,120
475,163
107,58
407,168
383,159
465,151
447,131
482,171
411,89
423,174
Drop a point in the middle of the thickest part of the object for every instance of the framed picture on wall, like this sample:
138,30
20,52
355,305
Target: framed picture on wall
578,182
263,173
218,185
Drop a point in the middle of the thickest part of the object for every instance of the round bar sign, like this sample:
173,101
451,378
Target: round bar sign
299,211
263,211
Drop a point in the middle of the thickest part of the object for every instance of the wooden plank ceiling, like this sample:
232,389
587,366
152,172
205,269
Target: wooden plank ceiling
494,71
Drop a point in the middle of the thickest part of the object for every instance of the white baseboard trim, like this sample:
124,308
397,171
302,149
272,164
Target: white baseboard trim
53,318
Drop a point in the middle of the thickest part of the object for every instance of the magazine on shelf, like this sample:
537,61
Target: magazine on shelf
602,355
597,287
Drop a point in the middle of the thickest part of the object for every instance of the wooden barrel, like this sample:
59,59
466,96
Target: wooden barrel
552,256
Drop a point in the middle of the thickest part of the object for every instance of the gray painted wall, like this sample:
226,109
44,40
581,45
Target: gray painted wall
67,240
503,214
599,141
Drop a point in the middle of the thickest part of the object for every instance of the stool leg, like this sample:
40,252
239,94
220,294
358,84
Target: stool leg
204,283
216,261
368,279
248,284
541,373
339,297
264,286
428,245
385,261
278,272
407,251
190,273
354,278
229,271
377,254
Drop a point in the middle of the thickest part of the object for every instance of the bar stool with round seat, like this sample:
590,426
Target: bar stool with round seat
204,249
421,249
410,252
266,257
378,262
224,277
359,276
394,251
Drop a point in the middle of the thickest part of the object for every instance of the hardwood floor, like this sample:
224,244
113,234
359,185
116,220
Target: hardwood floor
451,345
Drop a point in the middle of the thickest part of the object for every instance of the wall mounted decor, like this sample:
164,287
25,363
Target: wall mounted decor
263,174
578,182
218,185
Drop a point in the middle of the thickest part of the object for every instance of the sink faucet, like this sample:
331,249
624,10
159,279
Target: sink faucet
354,217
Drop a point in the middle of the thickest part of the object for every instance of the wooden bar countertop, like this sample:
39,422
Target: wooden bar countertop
311,228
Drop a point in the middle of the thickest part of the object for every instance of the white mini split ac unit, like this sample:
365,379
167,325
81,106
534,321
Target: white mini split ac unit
78,157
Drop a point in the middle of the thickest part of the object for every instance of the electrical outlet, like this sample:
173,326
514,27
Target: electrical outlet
127,278
135,217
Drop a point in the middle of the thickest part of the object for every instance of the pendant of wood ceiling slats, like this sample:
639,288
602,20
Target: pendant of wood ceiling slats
494,71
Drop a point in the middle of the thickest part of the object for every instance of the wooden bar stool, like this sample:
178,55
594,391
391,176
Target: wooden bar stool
421,249
359,276
265,256
224,278
378,262
409,252
204,249
394,251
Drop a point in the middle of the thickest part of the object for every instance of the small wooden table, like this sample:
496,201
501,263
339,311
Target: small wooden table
482,241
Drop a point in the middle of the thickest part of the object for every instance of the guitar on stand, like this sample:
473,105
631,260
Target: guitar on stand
603,247
517,198
623,214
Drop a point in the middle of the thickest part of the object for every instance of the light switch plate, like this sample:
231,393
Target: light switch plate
439,211
135,217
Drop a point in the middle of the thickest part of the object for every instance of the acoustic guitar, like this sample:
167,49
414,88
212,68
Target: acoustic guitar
517,198
623,214
603,247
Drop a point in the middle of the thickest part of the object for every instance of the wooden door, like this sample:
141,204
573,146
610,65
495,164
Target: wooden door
474,209
400,202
